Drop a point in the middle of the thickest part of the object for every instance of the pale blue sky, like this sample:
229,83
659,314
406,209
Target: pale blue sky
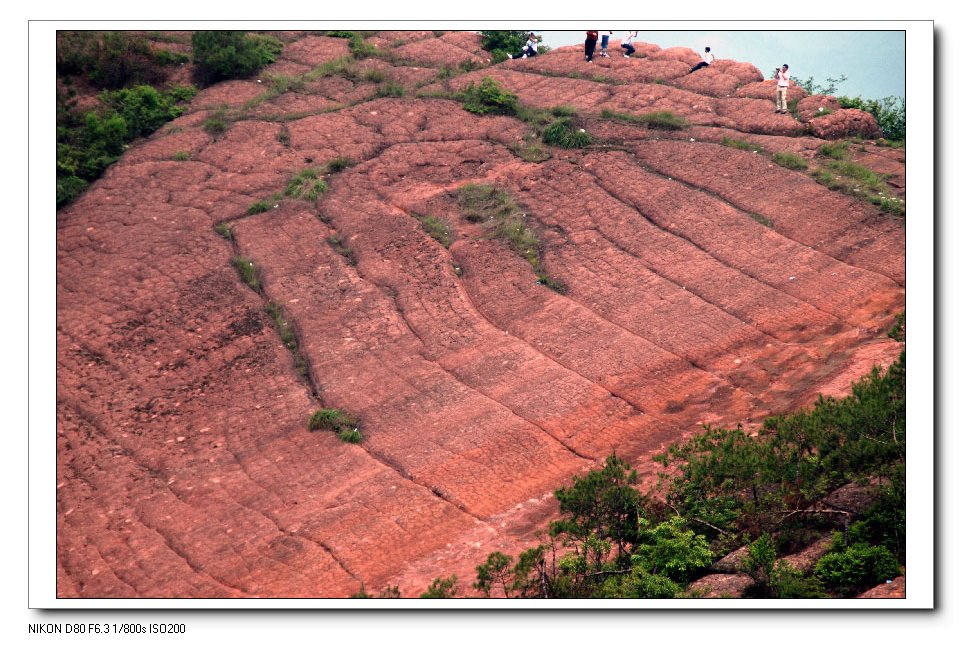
873,61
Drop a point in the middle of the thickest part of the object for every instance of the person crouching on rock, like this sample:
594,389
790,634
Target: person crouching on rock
530,48
592,38
781,89
706,59
626,44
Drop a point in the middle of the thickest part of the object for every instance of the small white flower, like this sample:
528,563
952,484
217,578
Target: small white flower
581,130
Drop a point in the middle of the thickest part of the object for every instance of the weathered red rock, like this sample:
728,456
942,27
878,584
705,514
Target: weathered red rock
846,122
705,285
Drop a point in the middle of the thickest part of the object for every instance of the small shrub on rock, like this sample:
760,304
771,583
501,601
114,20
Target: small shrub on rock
790,160
488,97
562,132
857,567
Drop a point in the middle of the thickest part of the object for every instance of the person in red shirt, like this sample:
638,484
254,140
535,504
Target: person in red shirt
592,38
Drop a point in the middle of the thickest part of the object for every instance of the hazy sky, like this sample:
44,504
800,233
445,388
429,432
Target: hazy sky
873,61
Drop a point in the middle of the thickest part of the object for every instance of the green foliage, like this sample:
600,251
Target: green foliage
108,59
333,420
639,584
306,184
339,164
759,563
374,76
790,160
495,570
522,240
221,55
216,124
388,592
857,567
603,504
182,156
564,111
664,120
436,228
505,41
897,332
350,435
442,588
835,150
868,178
390,89
223,229
258,207
341,249
563,133
250,274
671,549
741,144
889,112
88,144
829,87
555,285
144,109
482,203
488,97
790,583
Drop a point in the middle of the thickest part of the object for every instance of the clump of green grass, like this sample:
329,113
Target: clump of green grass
764,220
374,76
742,145
216,124
258,207
390,89
284,329
665,120
278,84
857,172
341,249
182,156
306,184
223,229
564,111
530,150
563,132
480,203
436,229
522,240
790,160
886,204
555,285
488,97
338,164
347,427
341,67
248,272
835,150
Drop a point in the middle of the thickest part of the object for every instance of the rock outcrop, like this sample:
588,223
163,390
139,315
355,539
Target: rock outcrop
705,284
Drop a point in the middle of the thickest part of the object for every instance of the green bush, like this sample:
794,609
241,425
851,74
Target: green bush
223,229
390,89
216,124
506,41
664,120
562,132
481,203
835,150
144,108
858,567
442,588
332,419
740,144
221,55
374,76
488,97
258,207
108,59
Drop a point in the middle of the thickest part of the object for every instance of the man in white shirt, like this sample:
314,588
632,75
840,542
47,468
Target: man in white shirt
781,92
706,59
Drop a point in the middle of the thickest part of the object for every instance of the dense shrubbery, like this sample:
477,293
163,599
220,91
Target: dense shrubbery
110,59
503,44
726,486
488,97
220,55
87,144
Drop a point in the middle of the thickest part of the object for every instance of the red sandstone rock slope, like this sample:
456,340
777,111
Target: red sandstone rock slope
185,466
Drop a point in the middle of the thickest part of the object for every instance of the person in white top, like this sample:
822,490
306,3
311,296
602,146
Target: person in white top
626,44
530,47
706,59
781,91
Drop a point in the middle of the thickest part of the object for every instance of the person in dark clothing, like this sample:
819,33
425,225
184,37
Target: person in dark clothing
706,59
626,44
592,38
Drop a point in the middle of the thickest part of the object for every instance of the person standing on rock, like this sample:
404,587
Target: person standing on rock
604,43
706,59
781,89
626,44
592,38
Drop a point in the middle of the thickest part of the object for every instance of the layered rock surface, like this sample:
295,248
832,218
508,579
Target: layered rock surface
185,466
